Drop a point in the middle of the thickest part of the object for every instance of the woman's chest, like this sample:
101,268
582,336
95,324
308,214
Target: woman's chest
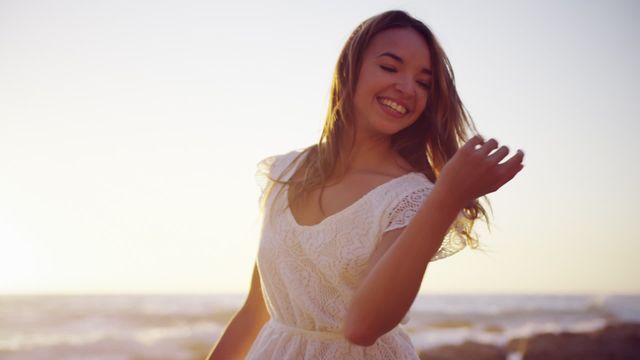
339,249
336,197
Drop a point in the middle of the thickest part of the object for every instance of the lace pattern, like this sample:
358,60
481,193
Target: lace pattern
407,207
309,274
273,167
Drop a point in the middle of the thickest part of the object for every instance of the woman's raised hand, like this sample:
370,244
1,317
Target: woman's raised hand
475,170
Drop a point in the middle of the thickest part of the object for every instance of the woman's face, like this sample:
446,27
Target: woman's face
394,82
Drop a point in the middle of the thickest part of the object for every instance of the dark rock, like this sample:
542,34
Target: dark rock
620,341
517,345
562,346
614,342
467,350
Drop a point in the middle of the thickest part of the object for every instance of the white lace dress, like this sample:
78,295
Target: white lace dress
309,273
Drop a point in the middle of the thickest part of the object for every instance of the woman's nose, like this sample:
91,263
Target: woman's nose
405,86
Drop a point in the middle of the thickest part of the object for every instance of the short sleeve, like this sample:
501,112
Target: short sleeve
456,238
406,208
263,174
276,167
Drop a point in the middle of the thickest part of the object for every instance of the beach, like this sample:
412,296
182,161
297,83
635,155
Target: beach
474,326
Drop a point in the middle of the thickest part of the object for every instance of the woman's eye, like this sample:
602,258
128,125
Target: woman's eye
424,85
388,68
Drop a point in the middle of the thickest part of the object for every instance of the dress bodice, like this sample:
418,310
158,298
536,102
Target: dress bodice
309,273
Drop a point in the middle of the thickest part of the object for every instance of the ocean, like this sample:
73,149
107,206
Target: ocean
140,327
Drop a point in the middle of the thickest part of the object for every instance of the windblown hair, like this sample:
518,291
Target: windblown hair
426,145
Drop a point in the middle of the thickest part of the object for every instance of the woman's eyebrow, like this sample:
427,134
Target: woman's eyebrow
399,59
392,55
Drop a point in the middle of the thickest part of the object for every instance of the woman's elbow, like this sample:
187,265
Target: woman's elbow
360,339
358,333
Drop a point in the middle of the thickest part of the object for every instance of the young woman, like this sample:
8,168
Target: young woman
351,223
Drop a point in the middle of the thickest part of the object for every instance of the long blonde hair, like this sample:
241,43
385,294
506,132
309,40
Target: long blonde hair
426,145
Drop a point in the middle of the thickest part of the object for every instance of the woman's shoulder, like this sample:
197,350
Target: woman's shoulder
411,182
413,186
276,165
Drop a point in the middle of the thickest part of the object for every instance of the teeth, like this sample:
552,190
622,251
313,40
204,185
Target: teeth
394,105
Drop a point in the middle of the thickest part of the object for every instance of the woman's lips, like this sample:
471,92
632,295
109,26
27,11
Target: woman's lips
392,107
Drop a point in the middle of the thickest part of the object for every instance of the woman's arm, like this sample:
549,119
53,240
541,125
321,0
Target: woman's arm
390,287
240,333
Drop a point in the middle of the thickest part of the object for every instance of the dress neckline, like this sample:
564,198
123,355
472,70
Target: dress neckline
345,210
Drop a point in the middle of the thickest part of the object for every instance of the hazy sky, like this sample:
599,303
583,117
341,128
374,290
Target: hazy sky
130,132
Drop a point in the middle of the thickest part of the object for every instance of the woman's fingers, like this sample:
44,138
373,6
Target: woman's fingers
488,146
473,142
515,159
499,154
480,160
512,166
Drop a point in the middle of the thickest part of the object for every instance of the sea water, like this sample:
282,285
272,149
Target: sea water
139,327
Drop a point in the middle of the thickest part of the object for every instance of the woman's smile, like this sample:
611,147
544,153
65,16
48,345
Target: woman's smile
393,107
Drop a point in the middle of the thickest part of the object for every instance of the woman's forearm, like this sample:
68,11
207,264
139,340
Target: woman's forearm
238,336
389,289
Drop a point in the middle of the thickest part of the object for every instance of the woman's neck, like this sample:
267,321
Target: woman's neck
368,153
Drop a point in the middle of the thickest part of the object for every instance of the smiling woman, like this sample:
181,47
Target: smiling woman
394,82
351,223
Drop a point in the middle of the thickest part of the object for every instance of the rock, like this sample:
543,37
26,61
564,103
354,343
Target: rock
565,346
614,342
620,341
517,345
467,350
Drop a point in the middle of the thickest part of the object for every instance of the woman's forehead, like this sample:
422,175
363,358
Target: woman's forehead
406,43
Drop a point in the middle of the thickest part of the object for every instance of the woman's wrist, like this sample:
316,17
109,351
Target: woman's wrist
448,199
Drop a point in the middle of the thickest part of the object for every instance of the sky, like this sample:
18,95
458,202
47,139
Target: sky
130,134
